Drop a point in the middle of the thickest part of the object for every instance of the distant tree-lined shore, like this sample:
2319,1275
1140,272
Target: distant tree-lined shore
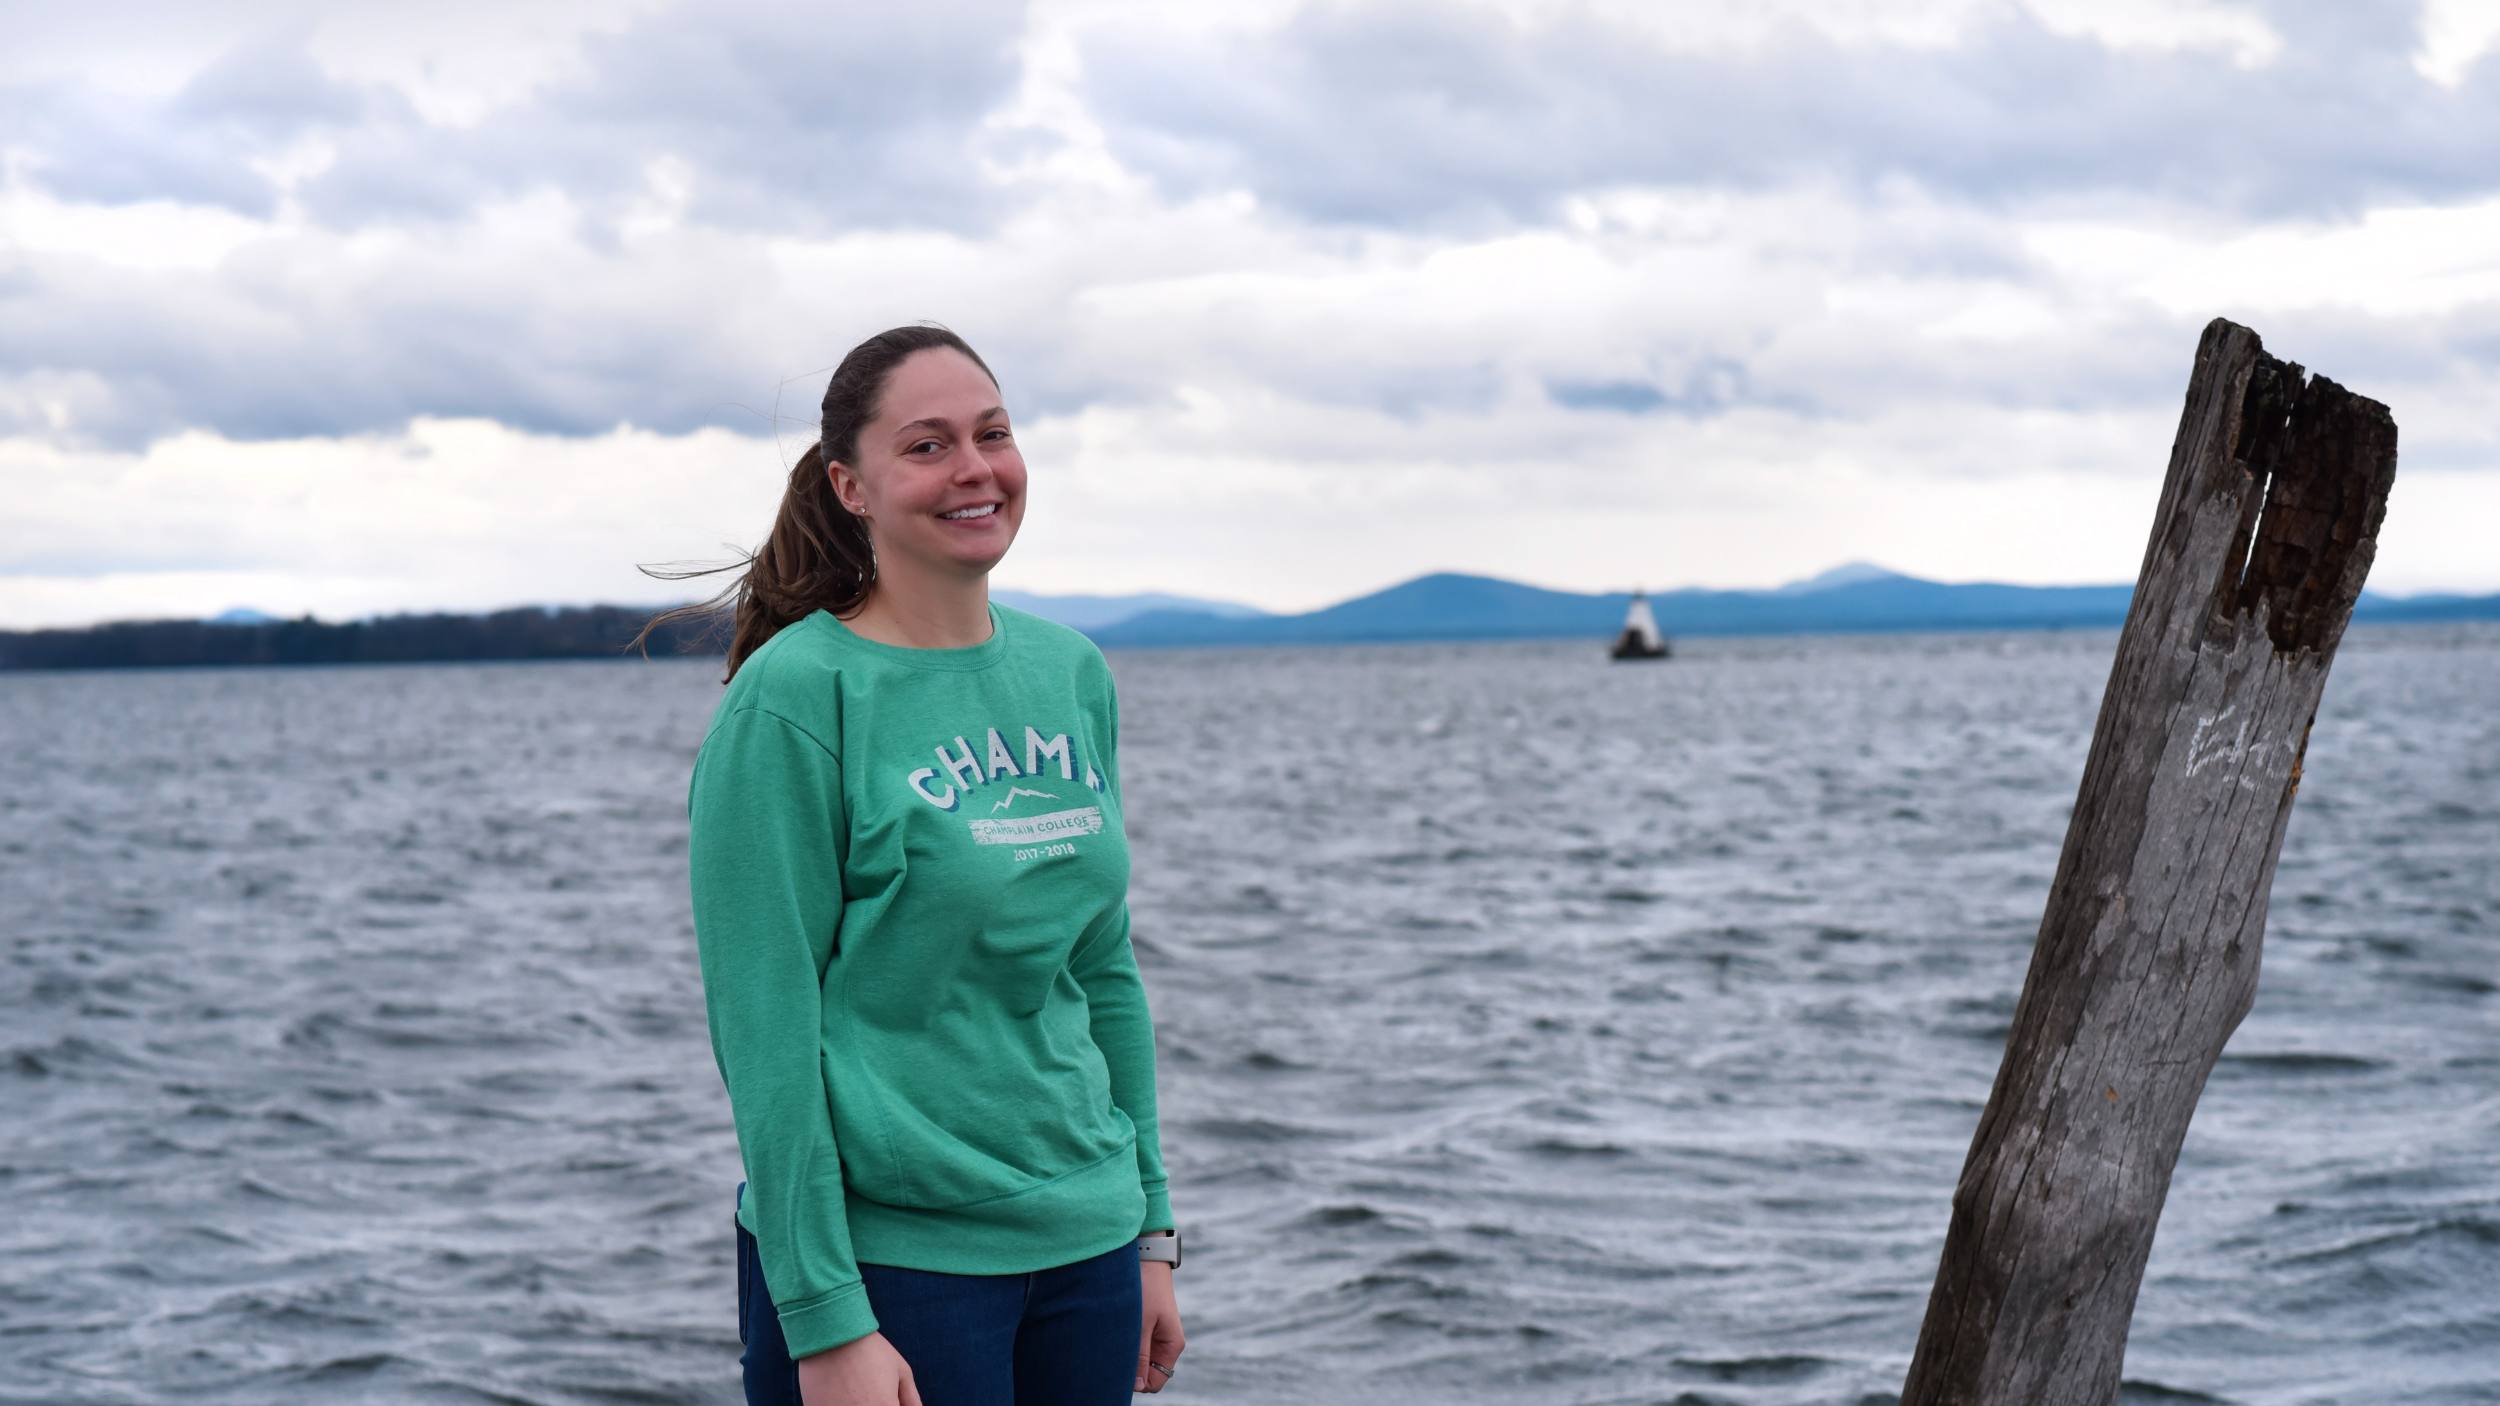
1857,598
527,632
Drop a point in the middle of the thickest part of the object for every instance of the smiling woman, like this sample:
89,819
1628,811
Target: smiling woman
928,1015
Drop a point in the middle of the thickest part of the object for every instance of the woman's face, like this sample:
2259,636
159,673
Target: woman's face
940,443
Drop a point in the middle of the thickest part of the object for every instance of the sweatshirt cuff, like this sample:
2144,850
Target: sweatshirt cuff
1158,1209
827,1321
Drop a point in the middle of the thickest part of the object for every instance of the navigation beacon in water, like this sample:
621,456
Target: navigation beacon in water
1640,638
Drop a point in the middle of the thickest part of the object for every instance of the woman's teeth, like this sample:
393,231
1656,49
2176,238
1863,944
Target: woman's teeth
962,513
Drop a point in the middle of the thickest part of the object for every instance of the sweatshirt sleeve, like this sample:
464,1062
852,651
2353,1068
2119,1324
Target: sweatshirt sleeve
765,850
1106,967
1105,964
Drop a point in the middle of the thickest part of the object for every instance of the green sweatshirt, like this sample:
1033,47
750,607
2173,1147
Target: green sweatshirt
910,886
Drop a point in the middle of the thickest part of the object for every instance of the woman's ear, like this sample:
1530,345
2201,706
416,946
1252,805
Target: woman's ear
846,489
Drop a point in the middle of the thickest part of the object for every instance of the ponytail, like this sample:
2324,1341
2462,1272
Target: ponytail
817,557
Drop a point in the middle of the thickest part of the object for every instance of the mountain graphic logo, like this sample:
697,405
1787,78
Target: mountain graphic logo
1015,791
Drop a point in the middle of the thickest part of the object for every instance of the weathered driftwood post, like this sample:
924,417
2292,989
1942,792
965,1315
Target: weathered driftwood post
2147,956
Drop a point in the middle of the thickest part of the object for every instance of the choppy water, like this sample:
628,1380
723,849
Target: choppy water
1534,1029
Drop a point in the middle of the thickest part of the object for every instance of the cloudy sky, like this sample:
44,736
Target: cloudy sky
343,308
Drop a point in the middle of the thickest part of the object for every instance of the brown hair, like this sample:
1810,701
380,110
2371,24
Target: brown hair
817,556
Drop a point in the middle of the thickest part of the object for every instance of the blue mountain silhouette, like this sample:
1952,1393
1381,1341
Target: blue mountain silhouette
1857,597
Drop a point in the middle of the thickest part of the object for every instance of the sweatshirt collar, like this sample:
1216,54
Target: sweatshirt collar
961,657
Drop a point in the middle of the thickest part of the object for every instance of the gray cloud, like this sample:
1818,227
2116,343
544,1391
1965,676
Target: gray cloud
268,90
271,346
783,118
778,119
196,146
1712,385
87,148
1628,397
1411,112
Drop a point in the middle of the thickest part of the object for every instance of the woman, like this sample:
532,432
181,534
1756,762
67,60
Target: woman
909,882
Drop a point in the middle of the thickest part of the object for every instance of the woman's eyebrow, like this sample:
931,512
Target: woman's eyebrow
940,422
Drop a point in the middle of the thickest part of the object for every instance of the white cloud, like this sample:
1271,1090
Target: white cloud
2456,35
2404,261
2165,25
1460,115
459,62
148,236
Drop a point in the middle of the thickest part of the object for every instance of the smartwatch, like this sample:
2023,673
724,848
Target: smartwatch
1165,1249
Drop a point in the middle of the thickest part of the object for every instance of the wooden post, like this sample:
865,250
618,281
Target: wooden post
2147,956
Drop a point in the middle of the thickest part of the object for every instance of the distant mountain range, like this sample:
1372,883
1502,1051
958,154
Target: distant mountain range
1858,596
1094,612
1854,597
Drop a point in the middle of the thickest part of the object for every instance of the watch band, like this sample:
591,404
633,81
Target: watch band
1162,1249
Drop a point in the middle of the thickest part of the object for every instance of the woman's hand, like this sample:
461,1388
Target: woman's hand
1159,1337
862,1372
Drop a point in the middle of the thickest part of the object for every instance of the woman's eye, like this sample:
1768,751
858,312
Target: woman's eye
999,432
916,448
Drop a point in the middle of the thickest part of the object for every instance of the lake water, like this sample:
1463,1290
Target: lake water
1533,1029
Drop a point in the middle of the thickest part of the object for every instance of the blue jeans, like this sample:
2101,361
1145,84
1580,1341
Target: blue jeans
1054,1337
